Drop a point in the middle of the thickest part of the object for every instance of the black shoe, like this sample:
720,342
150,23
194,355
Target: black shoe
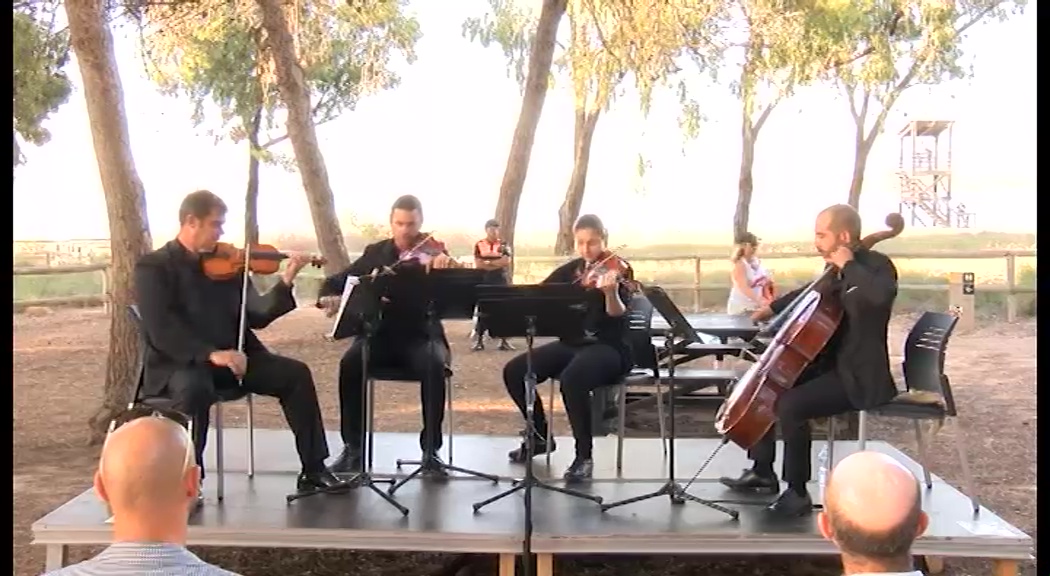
505,346
479,344
198,502
539,447
791,504
751,481
348,462
432,466
580,470
323,480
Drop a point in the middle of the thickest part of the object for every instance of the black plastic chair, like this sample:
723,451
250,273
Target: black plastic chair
223,395
928,393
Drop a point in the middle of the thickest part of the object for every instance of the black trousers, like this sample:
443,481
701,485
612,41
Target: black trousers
193,391
581,369
480,326
819,396
424,360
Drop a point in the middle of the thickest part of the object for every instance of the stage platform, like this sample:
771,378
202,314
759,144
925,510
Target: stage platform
441,519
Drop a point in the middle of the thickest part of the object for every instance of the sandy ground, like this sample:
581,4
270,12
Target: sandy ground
59,368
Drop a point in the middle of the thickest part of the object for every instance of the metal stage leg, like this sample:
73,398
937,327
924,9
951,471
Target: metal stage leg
529,482
431,465
364,478
671,488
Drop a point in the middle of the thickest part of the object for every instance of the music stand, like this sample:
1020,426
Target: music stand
450,294
554,310
679,328
359,315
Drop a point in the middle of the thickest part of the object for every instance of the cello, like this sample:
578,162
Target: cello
802,330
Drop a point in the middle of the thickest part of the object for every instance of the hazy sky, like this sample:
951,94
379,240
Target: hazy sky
445,132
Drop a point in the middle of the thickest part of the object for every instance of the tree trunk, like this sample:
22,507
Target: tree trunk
745,185
301,132
532,100
583,134
125,198
251,195
860,164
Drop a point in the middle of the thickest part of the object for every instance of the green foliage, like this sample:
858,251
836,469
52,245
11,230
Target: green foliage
40,83
512,26
216,57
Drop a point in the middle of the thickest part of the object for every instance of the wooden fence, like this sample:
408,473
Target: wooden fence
1009,287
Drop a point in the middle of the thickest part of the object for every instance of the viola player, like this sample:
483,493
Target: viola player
580,366
492,255
191,322
851,373
405,338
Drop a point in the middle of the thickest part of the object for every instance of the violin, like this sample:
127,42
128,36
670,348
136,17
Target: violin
228,261
423,252
590,274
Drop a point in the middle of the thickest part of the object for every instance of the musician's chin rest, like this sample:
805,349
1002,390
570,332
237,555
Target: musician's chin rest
405,338
851,373
194,353
580,366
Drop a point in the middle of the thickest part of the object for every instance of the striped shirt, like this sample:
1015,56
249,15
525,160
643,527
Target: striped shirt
130,558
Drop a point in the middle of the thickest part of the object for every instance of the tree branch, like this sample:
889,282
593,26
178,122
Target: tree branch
275,141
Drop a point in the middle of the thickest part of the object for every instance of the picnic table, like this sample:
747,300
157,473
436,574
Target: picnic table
719,326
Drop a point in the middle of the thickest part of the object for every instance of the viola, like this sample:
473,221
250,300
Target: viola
590,274
228,261
801,331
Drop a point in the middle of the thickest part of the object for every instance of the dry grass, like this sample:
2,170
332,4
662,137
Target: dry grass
59,367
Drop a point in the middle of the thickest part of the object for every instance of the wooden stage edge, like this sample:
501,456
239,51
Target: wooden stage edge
254,512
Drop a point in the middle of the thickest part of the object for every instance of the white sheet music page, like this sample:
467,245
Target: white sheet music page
348,288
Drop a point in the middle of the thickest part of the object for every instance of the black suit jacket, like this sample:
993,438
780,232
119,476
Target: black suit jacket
400,321
186,316
859,352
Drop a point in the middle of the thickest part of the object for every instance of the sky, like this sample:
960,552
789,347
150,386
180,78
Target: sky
445,132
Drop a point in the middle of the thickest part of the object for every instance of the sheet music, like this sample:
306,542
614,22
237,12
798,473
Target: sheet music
348,289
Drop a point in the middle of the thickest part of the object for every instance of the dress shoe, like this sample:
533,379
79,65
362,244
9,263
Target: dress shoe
751,481
580,470
792,504
539,447
505,346
432,466
198,502
348,462
479,344
323,480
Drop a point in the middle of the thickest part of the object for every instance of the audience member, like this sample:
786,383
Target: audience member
873,514
149,479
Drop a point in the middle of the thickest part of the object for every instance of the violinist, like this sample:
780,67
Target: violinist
191,322
580,366
851,373
405,338
492,255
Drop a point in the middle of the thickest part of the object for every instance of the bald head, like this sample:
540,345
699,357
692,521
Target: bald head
842,218
145,467
872,507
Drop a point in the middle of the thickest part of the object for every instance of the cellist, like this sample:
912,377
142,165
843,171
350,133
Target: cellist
851,373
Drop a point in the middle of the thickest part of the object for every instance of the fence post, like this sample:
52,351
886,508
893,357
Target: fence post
697,301
1011,284
106,299
961,299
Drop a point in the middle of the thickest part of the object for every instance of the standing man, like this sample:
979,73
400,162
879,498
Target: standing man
191,326
493,256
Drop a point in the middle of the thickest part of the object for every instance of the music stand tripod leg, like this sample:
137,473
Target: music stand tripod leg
364,478
431,464
672,489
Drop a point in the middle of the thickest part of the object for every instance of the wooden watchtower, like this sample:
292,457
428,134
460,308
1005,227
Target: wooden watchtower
925,174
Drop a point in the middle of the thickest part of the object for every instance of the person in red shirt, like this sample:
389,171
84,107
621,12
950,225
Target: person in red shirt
493,256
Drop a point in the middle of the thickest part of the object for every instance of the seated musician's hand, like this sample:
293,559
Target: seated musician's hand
441,261
763,313
236,361
330,305
296,262
608,282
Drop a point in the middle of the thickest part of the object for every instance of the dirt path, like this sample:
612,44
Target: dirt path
59,365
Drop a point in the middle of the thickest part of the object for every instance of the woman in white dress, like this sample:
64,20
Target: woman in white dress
752,284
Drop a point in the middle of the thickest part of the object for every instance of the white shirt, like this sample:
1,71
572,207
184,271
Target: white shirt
756,277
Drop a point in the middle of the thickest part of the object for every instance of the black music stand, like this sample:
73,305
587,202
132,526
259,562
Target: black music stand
679,328
554,310
450,294
359,314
